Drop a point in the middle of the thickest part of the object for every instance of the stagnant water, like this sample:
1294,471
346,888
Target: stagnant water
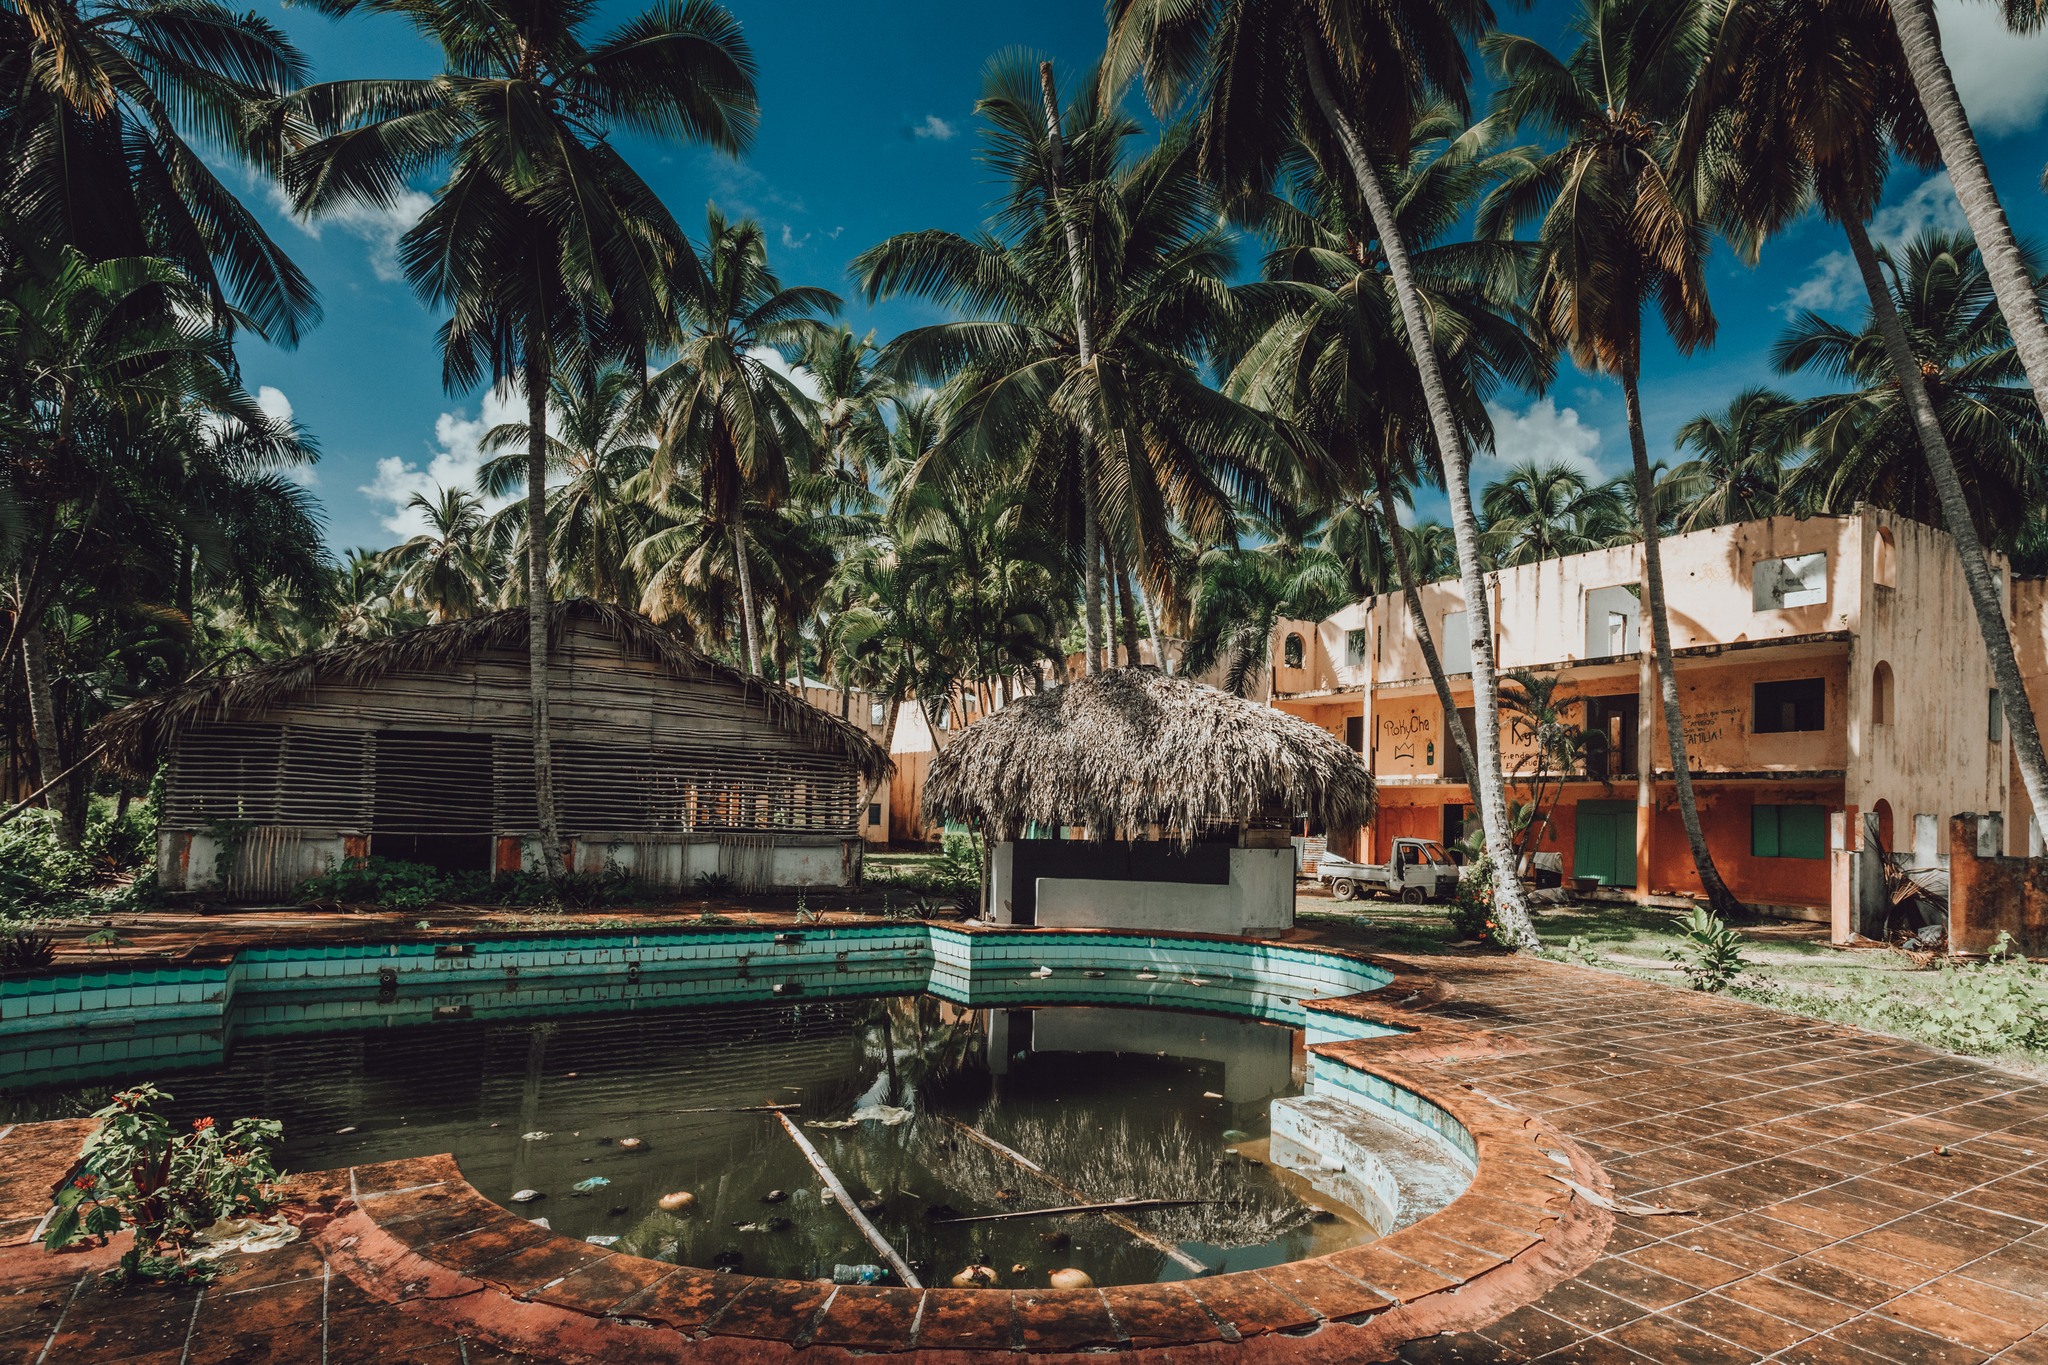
1118,1103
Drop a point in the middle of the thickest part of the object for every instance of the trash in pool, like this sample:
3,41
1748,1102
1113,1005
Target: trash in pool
975,1277
682,1201
350,1129
542,1223
877,1113
632,1144
1146,976
774,1196
1093,975
526,1196
1236,1135
599,1239
870,1204
242,1234
1211,1095
1318,1214
858,1274
727,1260
1020,1269
1043,971
596,1182
765,1225
535,1136
1070,1278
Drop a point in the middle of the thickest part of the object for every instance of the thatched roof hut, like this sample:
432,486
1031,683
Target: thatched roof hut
1132,747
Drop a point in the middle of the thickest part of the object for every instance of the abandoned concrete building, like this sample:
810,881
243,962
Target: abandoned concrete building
667,765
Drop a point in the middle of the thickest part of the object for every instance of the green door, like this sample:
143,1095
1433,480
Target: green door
1606,846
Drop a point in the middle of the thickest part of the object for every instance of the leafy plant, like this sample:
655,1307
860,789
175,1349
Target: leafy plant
1711,955
376,881
1998,1005
1471,906
106,938
28,951
1579,951
716,884
135,1172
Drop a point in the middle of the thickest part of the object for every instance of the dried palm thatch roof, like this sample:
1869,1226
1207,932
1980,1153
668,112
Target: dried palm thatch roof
136,735
1129,747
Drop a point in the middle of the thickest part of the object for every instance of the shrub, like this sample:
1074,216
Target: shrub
376,881
133,1172
1711,955
1998,1005
28,951
1471,907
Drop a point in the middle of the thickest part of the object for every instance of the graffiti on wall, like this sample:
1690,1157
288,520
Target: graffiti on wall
1707,730
1406,739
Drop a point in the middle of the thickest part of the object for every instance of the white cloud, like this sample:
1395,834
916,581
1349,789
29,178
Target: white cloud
1836,283
1540,433
380,227
935,128
278,408
458,456
795,374
790,241
2001,76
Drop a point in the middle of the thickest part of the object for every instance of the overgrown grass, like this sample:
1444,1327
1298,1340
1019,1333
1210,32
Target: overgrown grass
42,882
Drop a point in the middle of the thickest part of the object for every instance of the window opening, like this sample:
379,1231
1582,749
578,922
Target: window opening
1884,560
1795,581
1292,651
1788,831
1791,705
1881,694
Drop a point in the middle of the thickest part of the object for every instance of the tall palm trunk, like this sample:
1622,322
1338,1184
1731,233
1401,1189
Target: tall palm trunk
1510,908
1084,343
1129,612
739,555
1966,171
1718,896
42,719
1160,657
1413,596
1955,511
888,743
537,603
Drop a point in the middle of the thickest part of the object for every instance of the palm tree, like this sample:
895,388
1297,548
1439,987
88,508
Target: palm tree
2004,262
1272,71
544,243
851,394
603,444
1616,232
1737,472
1241,595
1812,96
1537,512
1864,445
736,424
101,95
1134,441
445,568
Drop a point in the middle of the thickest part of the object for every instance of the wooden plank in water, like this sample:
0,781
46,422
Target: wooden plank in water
860,1220
1119,1206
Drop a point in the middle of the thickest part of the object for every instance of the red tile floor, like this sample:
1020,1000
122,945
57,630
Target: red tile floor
1857,1199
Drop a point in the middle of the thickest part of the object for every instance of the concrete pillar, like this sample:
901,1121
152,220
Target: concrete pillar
1646,768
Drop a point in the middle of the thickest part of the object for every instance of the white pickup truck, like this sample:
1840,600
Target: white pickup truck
1420,871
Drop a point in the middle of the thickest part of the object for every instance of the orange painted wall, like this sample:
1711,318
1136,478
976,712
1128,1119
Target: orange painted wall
1726,824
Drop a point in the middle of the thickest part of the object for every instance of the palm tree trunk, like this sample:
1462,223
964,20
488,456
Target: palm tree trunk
1084,343
1413,597
1510,908
1974,191
888,742
1130,616
1109,601
537,604
1160,657
42,719
1955,510
1718,896
739,554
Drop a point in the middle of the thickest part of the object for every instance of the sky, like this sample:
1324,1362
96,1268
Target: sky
867,129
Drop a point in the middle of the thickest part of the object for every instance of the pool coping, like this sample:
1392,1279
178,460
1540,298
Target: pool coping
415,1232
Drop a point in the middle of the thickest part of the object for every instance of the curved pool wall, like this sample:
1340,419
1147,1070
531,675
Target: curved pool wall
83,1027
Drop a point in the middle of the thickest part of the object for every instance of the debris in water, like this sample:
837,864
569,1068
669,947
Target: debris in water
542,1223
682,1201
351,1128
1006,1196
535,1136
1043,972
1211,1095
596,1182
765,1225
1093,974
870,1204
727,1260
600,1239
774,1196
1236,1135
858,1274
1070,1278
975,1277
887,1115
1020,1269
1146,976
1318,1214
525,1196
632,1144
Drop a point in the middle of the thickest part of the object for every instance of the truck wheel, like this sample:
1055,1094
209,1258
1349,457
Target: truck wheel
1413,895
1344,889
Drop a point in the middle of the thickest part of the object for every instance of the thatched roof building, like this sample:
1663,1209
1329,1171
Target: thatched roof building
666,762
1131,748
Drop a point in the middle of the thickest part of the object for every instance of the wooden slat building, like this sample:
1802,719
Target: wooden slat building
667,763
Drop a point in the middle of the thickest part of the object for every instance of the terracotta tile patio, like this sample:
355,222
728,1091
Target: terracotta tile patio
1856,1199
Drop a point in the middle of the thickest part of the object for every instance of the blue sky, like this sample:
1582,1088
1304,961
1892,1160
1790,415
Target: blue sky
867,129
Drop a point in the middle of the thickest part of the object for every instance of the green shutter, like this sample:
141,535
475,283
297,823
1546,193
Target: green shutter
1803,831
1763,831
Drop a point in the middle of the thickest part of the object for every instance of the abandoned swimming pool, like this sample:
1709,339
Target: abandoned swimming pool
1151,1067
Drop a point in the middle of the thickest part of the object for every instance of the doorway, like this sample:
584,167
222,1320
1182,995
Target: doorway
1606,842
